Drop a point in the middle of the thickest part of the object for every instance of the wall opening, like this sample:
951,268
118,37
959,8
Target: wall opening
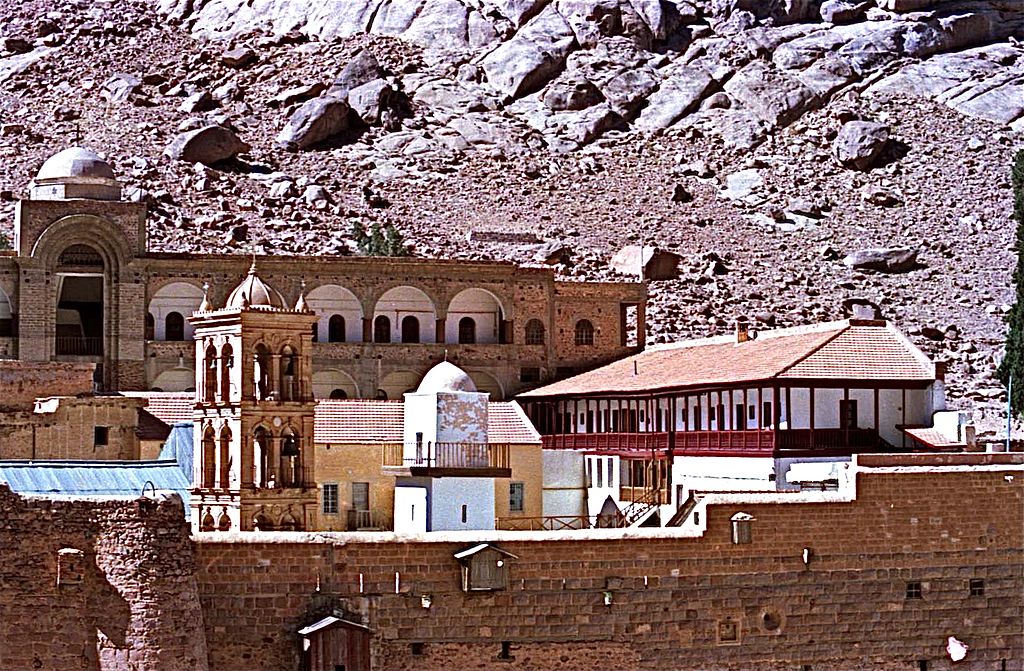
629,327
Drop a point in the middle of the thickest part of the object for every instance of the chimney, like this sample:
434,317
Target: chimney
742,330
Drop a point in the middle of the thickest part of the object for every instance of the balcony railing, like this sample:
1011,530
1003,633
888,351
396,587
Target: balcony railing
632,442
288,478
367,520
754,443
78,346
446,455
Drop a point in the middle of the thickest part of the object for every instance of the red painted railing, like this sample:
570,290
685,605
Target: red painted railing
607,441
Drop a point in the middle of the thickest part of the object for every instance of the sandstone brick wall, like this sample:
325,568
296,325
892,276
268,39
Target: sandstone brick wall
97,584
673,597
23,382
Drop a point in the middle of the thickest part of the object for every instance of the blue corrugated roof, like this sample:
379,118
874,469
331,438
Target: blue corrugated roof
94,478
178,447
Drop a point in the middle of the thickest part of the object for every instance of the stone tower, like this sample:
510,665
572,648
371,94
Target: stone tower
254,460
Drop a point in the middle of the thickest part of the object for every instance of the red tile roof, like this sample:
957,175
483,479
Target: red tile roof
849,349
933,438
359,421
168,407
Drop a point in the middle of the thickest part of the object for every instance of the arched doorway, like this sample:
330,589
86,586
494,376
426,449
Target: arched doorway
80,291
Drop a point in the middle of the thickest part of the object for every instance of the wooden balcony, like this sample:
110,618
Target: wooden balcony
608,442
751,443
367,520
483,460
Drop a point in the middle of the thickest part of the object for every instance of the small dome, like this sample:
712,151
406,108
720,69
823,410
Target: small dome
445,377
75,172
76,162
255,293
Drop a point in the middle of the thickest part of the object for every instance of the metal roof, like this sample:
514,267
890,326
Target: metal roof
180,448
94,478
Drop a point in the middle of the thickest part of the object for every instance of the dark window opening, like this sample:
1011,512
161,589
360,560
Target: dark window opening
584,333
150,330
410,330
465,513
847,414
534,332
467,331
529,374
338,394
977,587
739,414
515,497
315,333
914,590
336,329
416,649
79,318
381,329
922,665
174,327
101,435
696,418
766,415
506,650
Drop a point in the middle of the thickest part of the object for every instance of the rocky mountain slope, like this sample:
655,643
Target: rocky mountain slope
762,141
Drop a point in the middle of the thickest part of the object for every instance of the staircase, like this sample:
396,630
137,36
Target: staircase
639,510
684,510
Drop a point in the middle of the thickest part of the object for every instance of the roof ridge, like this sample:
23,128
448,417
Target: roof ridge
813,350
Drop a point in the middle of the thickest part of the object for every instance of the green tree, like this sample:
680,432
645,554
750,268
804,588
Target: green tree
361,238
394,241
1013,362
378,245
386,241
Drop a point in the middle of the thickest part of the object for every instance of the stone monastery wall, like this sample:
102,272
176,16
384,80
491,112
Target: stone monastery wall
97,584
675,601
918,556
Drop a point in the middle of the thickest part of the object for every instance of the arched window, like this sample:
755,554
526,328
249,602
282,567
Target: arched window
225,458
584,332
381,395
209,458
467,331
381,329
535,332
261,452
291,464
338,394
227,363
174,326
316,333
261,372
289,378
207,524
210,375
410,329
224,523
336,329
150,333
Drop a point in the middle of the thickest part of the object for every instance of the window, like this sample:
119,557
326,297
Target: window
584,332
914,590
742,532
766,415
529,374
696,418
330,499
600,473
847,414
515,497
338,394
150,333
752,412
977,587
738,415
484,568
174,326
360,496
534,332
465,513
381,330
720,417
101,435
410,330
315,334
336,329
467,331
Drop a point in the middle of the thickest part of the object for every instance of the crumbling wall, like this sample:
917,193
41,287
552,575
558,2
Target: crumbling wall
656,599
97,584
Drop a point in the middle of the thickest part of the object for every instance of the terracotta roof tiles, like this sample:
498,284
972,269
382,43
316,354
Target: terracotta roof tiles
847,349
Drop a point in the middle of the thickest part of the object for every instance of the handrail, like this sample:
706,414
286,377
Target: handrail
446,455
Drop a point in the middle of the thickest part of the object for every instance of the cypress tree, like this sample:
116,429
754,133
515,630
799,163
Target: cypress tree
1013,361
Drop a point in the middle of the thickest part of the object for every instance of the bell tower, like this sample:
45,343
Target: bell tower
254,457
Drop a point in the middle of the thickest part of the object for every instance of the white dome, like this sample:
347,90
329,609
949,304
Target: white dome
445,377
255,293
76,172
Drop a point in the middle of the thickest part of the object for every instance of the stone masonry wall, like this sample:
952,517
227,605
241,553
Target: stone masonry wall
675,600
22,382
97,584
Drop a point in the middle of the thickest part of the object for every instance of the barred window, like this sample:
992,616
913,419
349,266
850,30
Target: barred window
534,332
515,497
330,499
584,332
